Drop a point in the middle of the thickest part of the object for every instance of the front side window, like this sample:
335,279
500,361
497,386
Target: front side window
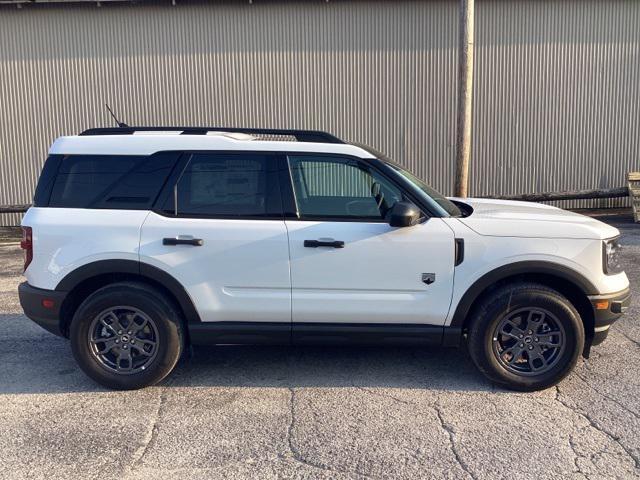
226,186
434,198
336,187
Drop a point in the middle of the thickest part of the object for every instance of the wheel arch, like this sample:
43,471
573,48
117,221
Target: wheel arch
573,285
85,280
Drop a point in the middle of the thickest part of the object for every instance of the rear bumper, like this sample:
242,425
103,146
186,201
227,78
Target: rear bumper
606,310
42,306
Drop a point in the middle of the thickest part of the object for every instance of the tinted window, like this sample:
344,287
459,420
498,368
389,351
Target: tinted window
110,181
339,187
46,181
227,185
83,179
139,188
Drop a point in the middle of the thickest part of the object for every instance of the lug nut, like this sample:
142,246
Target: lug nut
530,347
537,339
130,332
125,347
117,341
521,335
133,341
119,332
522,345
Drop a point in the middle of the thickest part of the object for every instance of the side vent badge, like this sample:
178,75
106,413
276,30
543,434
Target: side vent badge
428,278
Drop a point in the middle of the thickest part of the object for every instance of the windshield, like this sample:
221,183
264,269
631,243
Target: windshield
447,205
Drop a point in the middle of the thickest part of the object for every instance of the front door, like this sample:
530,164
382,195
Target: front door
348,266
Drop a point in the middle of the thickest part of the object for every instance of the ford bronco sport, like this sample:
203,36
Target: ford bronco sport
142,241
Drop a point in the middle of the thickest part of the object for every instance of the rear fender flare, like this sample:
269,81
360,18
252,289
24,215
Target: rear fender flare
139,269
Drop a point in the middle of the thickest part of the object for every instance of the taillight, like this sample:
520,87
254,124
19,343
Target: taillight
26,244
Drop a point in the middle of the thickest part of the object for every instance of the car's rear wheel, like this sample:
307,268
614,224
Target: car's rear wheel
126,336
525,336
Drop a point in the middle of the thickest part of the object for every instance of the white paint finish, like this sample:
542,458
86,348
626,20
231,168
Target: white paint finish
149,144
259,270
67,238
486,253
376,277
533,220
240,273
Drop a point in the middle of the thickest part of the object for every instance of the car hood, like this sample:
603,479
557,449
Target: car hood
507,218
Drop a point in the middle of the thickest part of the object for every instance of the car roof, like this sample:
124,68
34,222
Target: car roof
149,142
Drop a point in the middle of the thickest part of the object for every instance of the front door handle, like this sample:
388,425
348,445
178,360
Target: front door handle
196,242
324,243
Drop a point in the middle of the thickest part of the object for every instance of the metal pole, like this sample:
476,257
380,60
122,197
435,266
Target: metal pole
465,97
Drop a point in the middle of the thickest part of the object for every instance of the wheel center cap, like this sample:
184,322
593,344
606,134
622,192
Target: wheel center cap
527,340
124,338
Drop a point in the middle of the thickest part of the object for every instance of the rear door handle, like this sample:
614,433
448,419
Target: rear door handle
324,243
196,242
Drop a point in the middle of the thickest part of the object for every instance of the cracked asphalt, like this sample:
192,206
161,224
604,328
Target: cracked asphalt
259,412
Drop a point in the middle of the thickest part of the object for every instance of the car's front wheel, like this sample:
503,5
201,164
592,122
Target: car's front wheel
525,336
126,336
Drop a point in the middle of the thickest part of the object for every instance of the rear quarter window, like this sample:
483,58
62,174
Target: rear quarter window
110,181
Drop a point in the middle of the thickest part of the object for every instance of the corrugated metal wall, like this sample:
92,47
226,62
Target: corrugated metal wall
557,82
557,91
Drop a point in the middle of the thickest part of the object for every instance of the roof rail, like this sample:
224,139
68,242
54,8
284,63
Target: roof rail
300,135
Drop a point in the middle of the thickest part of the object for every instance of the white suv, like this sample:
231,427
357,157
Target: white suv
142,241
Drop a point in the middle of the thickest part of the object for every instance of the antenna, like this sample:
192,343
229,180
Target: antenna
118,122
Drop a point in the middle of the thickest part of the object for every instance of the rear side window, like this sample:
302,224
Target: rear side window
110,181
226,186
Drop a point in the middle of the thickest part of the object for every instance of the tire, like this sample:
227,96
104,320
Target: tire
504,350
138,350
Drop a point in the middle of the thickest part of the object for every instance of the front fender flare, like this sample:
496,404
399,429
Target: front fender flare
513,269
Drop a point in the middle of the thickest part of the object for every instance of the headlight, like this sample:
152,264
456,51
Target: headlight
611,256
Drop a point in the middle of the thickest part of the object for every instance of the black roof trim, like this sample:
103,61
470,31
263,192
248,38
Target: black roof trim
300,135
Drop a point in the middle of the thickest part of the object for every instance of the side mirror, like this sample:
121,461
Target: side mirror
404,214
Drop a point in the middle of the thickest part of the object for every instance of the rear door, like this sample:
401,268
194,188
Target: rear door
219,231
348,266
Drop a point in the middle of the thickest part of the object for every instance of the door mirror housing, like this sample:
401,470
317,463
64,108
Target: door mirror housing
404,214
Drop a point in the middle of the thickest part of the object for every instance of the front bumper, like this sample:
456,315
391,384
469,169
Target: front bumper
42,306
606,310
